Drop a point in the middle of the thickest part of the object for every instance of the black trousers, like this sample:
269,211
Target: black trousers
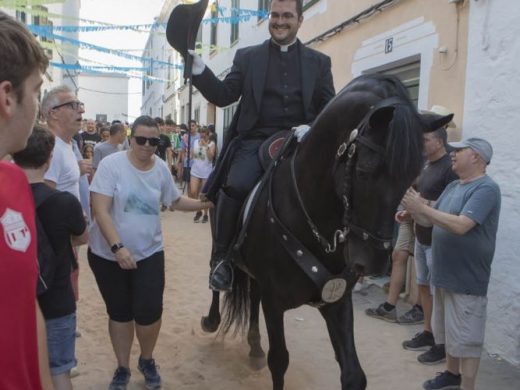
244,169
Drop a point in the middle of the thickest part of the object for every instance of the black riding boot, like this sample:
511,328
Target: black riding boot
226,215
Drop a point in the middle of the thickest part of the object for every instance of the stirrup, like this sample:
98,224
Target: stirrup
222,267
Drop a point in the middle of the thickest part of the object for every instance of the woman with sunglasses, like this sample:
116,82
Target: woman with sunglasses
126,249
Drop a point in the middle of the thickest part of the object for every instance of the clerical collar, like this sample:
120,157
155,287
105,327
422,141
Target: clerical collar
285,48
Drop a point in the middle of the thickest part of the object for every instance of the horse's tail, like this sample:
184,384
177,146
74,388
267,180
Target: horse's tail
237,304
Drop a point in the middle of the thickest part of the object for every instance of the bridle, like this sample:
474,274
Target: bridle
348,151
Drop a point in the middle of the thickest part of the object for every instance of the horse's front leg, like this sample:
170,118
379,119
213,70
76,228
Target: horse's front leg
278,356
256,353
211,322
339,317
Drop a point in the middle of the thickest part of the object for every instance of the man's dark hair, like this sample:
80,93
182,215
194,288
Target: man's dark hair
170,122
116,128
116,121
21,54
38,150
299,6
143,120
192,121
159,121
441,134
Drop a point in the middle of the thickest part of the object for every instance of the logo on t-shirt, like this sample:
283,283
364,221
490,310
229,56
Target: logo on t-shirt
16,232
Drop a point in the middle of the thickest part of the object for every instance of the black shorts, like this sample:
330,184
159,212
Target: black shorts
131,295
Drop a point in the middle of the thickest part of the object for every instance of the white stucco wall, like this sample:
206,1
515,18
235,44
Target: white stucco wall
104,94
492,111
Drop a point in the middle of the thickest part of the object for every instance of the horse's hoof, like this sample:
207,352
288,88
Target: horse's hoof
257,363
209,326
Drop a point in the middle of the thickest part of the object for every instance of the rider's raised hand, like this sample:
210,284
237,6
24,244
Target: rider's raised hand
198,64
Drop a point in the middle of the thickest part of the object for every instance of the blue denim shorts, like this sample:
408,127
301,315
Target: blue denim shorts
423,263
61,342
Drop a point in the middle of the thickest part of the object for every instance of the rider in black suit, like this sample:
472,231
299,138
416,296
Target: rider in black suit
282,84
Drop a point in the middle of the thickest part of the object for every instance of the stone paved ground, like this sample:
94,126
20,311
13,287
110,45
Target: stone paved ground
494,373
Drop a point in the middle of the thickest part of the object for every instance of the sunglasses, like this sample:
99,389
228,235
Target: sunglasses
152,141
75,105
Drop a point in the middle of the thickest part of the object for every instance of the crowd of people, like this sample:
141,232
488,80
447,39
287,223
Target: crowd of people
127,174
448,222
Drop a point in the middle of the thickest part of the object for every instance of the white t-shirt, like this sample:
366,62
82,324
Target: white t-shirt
137,197
201,166
64,168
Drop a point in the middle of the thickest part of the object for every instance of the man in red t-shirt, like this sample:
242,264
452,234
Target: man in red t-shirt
24,358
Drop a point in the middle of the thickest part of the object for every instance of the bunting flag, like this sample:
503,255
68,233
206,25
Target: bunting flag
106,68
114,70
28,3
84,45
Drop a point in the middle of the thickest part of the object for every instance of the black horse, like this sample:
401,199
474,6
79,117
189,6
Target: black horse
335,195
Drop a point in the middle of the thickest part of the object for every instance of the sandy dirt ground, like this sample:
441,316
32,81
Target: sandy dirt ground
192,360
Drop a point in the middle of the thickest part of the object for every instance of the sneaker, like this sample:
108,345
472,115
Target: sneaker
152,379
413,316
420,342
435,355
197,216
205,219
443,381
120,379
381,313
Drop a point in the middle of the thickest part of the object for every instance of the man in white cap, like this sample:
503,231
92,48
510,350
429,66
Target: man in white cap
465,223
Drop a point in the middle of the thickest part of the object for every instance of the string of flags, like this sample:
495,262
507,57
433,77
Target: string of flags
52,40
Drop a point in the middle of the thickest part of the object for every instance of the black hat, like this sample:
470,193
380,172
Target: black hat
182,29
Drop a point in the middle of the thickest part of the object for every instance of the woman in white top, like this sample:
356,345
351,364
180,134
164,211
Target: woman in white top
202,155
126,248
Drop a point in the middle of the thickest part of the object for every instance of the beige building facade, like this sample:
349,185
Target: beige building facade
423,42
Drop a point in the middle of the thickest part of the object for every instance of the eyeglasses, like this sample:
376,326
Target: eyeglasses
152,141
75,105
284,16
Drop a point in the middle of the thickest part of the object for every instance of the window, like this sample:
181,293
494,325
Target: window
169,77
198,40
263,5
409,75
21,15
308,3
196,114
228,115
214,28
101,117
235,5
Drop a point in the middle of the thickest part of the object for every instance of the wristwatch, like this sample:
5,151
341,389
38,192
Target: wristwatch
114,248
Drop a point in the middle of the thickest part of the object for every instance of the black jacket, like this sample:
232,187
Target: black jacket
246,80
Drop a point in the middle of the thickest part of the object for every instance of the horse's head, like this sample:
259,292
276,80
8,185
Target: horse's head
376,161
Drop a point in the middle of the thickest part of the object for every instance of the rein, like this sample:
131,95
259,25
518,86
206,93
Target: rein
357,136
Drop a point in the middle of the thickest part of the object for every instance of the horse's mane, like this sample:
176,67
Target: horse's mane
404,141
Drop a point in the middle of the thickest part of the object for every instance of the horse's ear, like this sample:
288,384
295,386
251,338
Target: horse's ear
381,117
434,122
